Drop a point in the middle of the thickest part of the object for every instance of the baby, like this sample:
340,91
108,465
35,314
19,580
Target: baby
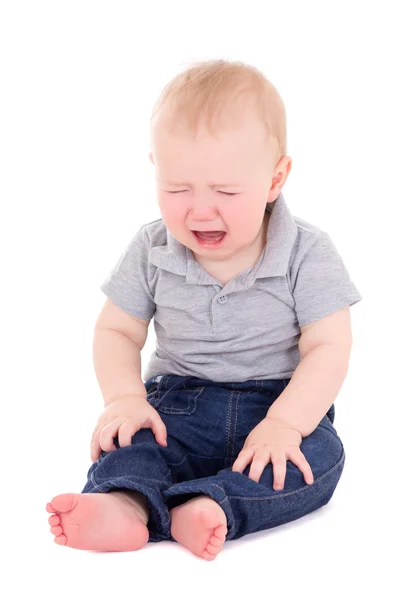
231,431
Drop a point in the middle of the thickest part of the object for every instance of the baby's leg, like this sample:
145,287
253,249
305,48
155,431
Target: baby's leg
251,506
121,506
113,521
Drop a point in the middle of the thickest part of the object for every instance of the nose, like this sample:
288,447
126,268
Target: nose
203,220
203,210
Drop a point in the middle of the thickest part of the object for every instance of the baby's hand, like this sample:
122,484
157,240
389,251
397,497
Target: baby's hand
273,441
124,417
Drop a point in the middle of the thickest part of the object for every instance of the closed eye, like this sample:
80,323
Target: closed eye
219,191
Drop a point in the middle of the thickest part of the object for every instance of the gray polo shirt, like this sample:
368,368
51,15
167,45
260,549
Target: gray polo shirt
247,329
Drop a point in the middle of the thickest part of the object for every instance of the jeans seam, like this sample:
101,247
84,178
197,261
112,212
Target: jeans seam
306,487
226,433
234,428
228,425
192,403
177,464
92,479
220,488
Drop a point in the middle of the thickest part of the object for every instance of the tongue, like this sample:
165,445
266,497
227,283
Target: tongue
210,235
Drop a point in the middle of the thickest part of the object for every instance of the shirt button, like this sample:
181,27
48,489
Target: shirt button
222,299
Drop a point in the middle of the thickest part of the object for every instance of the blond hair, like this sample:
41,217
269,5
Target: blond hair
217,89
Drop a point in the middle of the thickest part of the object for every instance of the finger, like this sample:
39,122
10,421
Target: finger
243,459
95,450
125,434
107,434
300,461
95,433
258,465
279,469
160,431
97,429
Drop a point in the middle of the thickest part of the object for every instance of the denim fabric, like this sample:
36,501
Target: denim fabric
207,424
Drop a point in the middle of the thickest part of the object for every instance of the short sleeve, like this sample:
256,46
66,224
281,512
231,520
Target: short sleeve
321,284
127,284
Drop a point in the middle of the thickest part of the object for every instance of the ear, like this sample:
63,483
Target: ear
151,157
280,175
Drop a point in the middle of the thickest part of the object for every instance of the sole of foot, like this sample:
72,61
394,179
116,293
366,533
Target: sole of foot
200,525
111,522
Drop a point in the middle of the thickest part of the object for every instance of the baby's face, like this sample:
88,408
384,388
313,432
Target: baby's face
210,184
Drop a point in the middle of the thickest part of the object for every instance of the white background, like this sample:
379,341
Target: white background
78,82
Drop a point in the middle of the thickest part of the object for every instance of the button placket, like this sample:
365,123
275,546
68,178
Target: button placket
218,314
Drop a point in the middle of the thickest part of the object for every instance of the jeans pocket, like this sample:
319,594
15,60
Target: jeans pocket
177,401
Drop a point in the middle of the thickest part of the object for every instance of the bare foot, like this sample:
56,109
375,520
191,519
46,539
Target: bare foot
200,525
111,522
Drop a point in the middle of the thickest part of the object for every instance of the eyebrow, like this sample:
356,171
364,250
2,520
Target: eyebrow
210,183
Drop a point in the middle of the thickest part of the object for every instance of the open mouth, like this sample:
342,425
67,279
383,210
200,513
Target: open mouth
209,238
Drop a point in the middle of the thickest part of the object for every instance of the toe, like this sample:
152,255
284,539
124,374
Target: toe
220,532
49,508
54,520
214,540
61,540
213,550
64,502
208,556
56,530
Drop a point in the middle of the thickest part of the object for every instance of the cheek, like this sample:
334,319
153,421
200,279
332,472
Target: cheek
241,215
245,221
171,212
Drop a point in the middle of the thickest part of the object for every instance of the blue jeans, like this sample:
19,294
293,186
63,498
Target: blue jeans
207,424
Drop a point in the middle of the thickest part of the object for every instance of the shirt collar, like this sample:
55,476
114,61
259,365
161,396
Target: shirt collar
281,234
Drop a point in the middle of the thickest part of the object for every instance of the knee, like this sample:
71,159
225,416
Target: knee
323,449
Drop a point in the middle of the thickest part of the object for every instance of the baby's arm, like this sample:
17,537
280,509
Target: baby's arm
325,347
118,341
